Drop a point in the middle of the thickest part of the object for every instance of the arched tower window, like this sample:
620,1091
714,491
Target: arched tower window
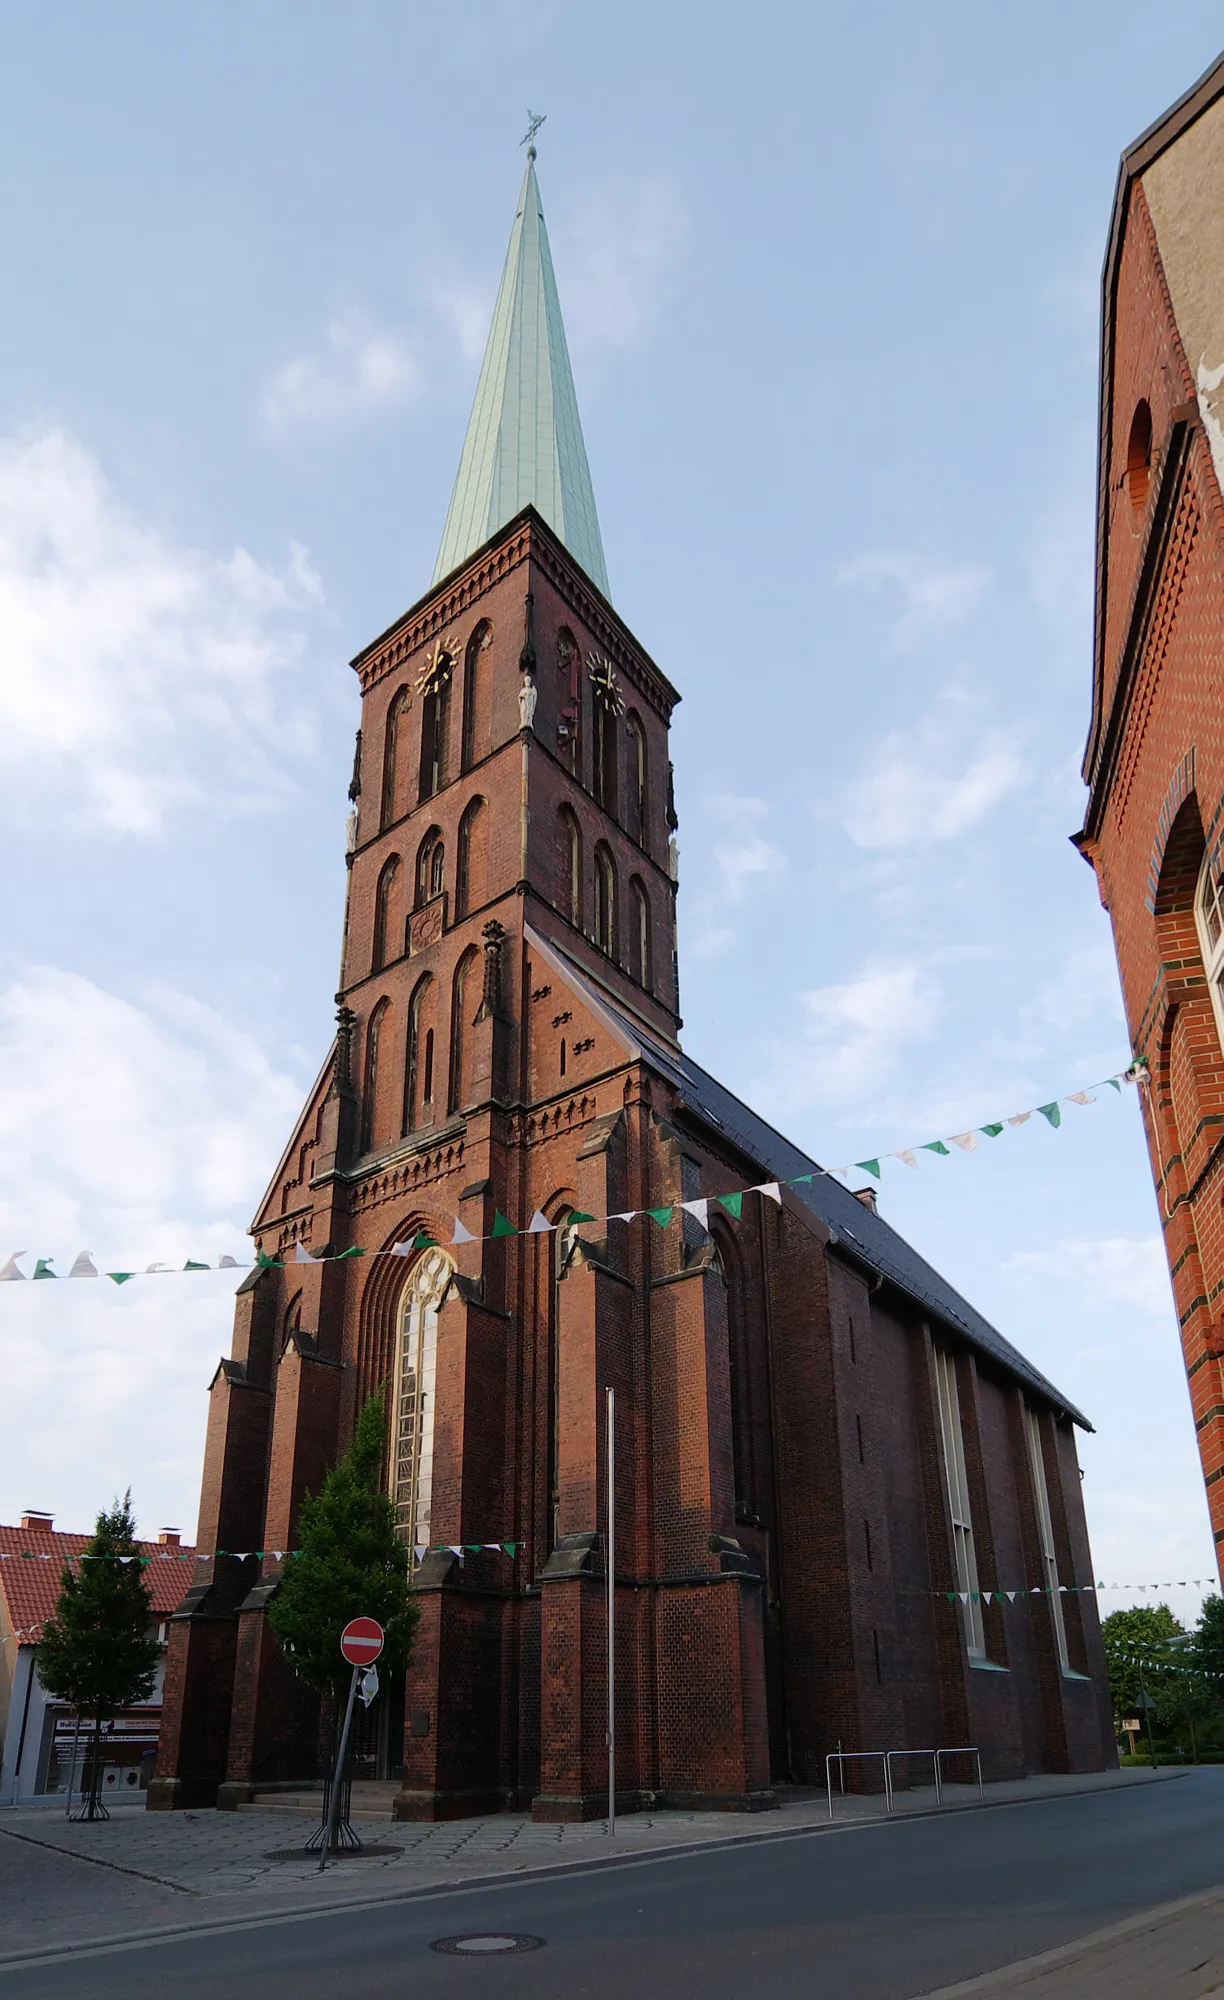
639,940
1209,916
569,866
435,724
430,867
416,1349
471,883
461,1000
569,706
418,1067
1139,454
637,779
369,1090
382,912
605,901
476,692
606,748
396,714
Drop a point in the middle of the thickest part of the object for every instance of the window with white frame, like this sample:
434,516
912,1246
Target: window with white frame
958,1502
1045,1534
417,1349
1209,916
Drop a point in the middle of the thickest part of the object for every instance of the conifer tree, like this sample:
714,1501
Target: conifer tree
96,1653
350,1563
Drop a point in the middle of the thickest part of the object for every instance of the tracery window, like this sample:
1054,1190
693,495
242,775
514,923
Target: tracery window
1209,916
569,866
415,1374
435,728
461,1000
431,867
470,884
604,772
391,754
640,932
382,912
637,779
418,1068
369,1095
605,902
475,698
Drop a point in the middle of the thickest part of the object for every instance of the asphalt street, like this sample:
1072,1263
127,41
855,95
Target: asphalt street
882,1912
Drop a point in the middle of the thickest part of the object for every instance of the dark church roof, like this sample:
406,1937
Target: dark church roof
863,1235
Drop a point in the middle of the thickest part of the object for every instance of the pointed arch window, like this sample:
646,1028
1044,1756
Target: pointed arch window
416,1350
470,885
639,940
569,866
431,867
418,1066
382,912
1209,917
396,715
476,692
605,901
606,749
435,729
569,705
369,1089
637,778
461,1000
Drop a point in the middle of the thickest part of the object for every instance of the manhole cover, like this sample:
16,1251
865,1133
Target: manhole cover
479,1944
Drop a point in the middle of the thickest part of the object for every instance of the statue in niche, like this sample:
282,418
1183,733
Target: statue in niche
529,694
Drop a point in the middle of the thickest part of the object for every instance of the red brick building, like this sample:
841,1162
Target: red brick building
826,1458
1155,756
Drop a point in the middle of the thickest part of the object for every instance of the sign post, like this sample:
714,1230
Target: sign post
361,1642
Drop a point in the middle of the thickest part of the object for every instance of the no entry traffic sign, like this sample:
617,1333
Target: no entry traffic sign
361,1641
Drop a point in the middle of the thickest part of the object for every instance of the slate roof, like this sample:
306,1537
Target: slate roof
32,1559
860,1233
524,443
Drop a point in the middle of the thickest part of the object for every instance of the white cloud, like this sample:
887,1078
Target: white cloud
137,674
741,858
613,256
1103,1271
852,1036
933,599
931,781
361,369
467,310
143,1131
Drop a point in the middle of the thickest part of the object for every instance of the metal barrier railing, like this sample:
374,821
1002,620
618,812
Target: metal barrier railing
843,1757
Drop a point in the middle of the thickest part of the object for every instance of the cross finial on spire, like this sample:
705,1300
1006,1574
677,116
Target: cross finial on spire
534,121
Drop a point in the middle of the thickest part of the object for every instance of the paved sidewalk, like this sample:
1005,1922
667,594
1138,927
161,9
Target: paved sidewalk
141,1872
1175,1952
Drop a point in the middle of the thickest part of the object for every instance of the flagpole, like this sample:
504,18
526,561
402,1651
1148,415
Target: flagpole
611,1611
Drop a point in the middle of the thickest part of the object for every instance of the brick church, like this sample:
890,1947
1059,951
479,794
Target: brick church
1154,762
830,1467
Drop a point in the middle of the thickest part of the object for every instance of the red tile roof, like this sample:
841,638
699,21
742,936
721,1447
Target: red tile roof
32,1561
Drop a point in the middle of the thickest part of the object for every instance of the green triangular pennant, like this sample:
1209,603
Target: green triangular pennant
660,1215
991,1131
266,1263
801,1180
733,1203
933,1146
1114,1082
43,1268
121,1277
869,1167
579,1215
1051,1112
354,1252
189,1266
951,1596
474,1548
511,1548
502,1227
424,1241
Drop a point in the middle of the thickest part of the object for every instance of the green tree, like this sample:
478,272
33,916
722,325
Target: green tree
1138,1654
96,1652
1208,1646
350,1564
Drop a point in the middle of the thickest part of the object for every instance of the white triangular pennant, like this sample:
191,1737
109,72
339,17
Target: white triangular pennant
420,1551
494,1547
770,1188
228,1263
456,1549
1011,1596
463,1235
699,1210
1080,1097
1021,1118
967,1141
539,1225
401,1249
10,1271
303,1256
963,1595
907,1156
83,1266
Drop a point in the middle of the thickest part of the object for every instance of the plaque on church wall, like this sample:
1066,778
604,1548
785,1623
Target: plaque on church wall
427,924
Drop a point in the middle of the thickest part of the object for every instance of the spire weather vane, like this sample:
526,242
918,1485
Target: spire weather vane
534,121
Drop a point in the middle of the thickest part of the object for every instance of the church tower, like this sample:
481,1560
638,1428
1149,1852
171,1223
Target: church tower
509,1191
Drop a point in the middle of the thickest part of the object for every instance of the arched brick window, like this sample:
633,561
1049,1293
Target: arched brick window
419,1062
471,870
569,706
369,1091
605,901
396,714
637,779
435,729
416,1347
477,698
1209,917
1139,454
430,867
569,866
606,756
461,1005
639,932
382,912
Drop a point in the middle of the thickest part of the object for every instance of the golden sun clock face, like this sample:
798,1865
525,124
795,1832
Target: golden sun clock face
438,668
606,687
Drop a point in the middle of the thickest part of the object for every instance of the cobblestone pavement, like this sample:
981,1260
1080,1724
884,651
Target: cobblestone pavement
1172,1953
65,1881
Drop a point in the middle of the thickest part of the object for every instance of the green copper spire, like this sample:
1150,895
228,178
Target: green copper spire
524,440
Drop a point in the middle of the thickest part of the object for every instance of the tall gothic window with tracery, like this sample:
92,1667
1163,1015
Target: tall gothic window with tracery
416,1350
1209,913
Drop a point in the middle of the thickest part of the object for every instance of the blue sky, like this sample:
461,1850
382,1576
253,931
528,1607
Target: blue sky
831,285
